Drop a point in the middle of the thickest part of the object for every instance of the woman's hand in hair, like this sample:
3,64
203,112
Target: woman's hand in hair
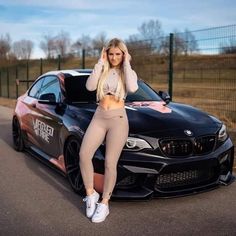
103,56
127,57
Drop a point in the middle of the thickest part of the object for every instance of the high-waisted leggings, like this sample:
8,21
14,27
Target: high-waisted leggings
111,125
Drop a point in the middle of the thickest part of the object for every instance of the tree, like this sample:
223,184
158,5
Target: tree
62,43
99,41
183,43
152,33
228,48
84,42
5,46
138,47
23,49
76,47
48,45
151,29
190,45
180,45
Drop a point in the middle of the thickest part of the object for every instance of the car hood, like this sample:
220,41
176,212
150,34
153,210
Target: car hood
157,118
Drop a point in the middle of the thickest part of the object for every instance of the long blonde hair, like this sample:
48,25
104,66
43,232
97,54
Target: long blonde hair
120,90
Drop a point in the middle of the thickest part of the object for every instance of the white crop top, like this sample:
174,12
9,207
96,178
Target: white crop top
111,82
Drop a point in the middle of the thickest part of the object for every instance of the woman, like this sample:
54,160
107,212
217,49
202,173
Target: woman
113,77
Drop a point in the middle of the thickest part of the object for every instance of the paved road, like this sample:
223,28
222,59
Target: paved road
35,200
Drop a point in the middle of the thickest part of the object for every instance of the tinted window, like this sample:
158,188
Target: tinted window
51,85
76,90
35,89
144,93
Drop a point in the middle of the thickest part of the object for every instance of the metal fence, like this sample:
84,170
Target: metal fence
196,67
206,76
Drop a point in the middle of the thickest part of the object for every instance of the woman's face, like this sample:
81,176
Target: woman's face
115,56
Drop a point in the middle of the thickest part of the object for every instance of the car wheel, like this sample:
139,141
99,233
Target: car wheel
18,141
71,155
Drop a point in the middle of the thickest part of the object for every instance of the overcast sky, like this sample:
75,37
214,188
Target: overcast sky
30,19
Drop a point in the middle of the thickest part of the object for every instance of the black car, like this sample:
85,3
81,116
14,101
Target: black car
172,149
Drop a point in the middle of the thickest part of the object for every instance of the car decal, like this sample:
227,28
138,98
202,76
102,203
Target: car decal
155,105
43,130
60,163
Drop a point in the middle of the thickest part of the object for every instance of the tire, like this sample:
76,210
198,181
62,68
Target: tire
71,155
17,137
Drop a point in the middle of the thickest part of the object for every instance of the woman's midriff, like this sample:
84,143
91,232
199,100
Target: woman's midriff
109,103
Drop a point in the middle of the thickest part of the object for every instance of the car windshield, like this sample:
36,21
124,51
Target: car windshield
144,93
76,91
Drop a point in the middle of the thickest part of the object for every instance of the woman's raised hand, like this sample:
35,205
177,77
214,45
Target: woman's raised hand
103,56
127,56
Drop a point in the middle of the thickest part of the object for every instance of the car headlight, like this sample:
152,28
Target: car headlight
222,135
136,144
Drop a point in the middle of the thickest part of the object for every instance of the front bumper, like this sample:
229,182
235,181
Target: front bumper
145,176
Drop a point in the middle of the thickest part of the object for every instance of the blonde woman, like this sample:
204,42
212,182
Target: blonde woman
112,77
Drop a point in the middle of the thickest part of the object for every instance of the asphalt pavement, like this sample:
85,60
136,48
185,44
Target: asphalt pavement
36,200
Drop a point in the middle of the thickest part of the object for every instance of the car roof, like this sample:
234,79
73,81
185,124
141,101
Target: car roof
72,72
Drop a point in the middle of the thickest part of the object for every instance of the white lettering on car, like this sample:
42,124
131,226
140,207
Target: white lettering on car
43,130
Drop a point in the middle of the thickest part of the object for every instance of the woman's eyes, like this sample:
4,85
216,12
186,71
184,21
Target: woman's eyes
117,54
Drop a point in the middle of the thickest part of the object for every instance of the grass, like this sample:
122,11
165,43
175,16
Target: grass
6,102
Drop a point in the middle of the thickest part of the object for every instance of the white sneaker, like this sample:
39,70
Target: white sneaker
91,202
101,213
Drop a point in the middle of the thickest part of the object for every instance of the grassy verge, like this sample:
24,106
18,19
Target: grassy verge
6,102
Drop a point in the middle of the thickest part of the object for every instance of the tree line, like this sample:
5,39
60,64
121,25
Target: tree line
150,38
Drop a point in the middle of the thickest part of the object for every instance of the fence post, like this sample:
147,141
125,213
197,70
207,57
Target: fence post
83,58
41,66
0,83
27,73
17,92
170,87
8,84
59,62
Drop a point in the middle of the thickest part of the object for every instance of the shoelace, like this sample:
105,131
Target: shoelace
99,207
87,199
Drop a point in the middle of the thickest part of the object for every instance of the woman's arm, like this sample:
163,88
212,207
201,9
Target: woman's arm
92,80
130,77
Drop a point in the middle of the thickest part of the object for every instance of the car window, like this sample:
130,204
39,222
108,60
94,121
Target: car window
35,89
51,85
76,90
144,93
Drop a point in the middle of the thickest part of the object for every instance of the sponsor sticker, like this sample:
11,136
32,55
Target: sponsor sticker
43,130
155,105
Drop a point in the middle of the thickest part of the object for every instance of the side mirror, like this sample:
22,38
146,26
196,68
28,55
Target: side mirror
48,98
165,96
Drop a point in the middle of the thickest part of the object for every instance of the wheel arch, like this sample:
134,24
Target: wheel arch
70,176
71,135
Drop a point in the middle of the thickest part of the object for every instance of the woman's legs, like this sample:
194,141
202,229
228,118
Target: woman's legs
92,139
115,141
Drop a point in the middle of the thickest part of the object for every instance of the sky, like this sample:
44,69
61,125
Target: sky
31,19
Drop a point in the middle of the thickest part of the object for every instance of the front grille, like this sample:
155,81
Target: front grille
187,147
204,145
177,147
127,181
175,180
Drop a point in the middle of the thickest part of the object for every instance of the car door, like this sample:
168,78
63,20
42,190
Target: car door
29,109
47,121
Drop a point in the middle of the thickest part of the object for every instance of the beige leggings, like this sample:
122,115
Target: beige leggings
112,125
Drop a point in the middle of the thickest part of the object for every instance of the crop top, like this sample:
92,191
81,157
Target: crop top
111,82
